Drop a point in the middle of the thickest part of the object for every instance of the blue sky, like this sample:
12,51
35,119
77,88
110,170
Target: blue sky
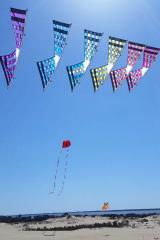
115,137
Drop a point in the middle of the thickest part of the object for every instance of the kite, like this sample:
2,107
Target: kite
149,56
64,153
47,67
76,71
134,52
115,48
105,206
9,61
66,144
18,18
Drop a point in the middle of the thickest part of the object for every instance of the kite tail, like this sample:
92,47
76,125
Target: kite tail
65,171
55,177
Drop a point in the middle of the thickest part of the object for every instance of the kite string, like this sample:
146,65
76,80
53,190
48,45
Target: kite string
55,177
65,171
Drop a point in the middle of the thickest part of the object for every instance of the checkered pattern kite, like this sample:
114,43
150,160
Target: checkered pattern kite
134,52
47,67
115,48
9,61
91,42
149,56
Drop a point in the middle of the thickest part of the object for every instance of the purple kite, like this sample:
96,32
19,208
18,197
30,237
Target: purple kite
149,56
134,52
9,61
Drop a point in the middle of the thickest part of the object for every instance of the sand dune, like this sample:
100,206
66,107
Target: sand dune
138,229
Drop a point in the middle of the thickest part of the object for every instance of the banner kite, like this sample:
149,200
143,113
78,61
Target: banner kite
91,42
9,61
134,52
47,67
149,56
18,18
115,48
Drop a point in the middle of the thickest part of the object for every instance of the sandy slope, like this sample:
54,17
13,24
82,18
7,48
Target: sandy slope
142,231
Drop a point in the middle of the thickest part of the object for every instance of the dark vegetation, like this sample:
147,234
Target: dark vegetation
43,217
115,224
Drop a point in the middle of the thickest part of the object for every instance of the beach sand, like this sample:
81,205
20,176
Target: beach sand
146,228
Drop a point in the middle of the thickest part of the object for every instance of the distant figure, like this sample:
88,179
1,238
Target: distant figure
105,206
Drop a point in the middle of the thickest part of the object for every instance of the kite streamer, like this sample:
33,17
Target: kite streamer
115,48
47,67
65,171
9,61
64,154
149,56
76,71
134,52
